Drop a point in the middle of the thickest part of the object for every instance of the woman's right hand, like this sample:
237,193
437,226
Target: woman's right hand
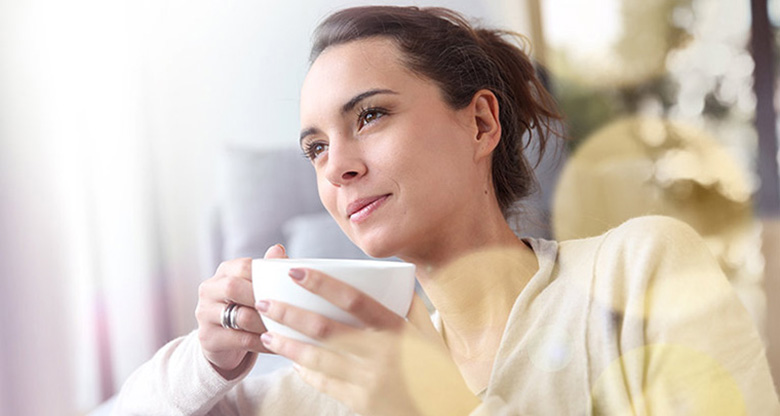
230,350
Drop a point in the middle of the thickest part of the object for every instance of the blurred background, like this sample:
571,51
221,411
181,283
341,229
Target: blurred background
115,117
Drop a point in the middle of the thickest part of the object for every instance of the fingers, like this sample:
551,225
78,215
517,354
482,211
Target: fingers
306,322
232,283
241,267
369,311
320,359
227,340
247,318
332,334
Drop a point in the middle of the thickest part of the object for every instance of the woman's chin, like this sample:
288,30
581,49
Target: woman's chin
378,240
376,251
377,246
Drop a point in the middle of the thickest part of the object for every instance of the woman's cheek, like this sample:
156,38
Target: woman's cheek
327,194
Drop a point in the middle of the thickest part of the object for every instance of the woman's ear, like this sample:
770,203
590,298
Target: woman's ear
488,125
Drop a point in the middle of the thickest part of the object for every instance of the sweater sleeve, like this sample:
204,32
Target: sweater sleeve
678,339
178,380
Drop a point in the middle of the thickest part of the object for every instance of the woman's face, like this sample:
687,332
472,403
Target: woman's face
395,164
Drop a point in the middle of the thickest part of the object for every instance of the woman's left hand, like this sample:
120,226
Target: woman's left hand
391,366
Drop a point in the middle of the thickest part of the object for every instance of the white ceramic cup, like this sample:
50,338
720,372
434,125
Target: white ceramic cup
389,282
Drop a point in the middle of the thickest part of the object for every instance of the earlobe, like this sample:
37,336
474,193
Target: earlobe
488,125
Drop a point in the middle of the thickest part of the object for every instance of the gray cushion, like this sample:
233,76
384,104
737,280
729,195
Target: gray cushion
262,190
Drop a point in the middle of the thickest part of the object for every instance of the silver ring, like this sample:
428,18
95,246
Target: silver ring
230,316
233,321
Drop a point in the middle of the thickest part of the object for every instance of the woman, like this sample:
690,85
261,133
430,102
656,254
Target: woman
414,122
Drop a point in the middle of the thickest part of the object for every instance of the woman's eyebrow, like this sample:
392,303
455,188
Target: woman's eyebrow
347,107
306,132
362,96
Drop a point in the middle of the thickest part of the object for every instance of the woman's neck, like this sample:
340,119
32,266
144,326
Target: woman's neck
474,287
475,292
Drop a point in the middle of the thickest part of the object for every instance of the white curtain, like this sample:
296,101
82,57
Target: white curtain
84,286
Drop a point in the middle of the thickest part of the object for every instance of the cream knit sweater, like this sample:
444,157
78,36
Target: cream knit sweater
637,321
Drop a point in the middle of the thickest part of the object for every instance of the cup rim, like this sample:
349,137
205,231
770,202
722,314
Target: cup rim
314,262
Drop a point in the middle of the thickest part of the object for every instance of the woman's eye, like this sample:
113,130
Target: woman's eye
314,150
369,116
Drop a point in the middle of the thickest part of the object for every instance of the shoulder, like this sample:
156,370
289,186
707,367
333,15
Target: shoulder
658,263
638,238
653,239
652,254
653,227
645,258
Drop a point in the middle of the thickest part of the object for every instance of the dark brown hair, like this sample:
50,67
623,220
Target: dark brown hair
441,45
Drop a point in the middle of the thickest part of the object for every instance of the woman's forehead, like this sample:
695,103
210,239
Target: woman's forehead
345,70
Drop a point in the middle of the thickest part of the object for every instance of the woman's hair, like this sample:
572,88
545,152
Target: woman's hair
441,45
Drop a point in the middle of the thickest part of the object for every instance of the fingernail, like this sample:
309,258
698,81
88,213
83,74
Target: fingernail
297,274
266,338
262,306
274,248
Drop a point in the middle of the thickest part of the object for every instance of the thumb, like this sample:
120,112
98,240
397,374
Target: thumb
276,251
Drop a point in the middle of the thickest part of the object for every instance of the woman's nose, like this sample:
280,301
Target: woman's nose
345,164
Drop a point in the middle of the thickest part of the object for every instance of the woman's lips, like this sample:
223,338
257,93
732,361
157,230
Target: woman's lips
359,210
